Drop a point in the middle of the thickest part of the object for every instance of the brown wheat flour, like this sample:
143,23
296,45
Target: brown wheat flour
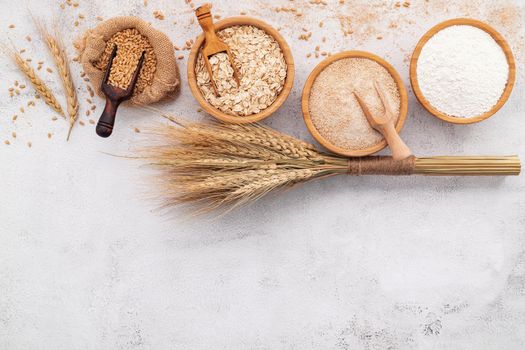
334,110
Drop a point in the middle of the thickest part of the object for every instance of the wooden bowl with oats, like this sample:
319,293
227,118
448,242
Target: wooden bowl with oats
263,113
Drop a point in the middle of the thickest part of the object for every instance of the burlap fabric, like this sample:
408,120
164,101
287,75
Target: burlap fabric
166,81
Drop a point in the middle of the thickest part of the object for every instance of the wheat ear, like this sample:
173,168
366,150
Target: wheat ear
213,166
39,85
56,47
216,166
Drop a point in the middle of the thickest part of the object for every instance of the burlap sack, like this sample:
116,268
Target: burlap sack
166,81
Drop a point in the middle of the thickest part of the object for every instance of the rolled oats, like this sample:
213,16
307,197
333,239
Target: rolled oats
261,66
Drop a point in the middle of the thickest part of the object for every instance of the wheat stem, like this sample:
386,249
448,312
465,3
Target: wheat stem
57,49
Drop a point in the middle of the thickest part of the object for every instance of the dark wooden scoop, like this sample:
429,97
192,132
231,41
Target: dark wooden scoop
115,96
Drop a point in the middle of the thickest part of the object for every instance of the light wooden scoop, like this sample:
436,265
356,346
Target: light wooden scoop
212,44
385,124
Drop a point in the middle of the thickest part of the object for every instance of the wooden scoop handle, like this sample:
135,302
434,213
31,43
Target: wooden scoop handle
107,119
206,22
397,146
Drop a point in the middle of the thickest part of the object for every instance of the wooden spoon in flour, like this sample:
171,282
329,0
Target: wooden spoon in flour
385,125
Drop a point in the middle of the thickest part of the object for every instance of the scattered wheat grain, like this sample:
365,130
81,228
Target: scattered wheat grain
158,15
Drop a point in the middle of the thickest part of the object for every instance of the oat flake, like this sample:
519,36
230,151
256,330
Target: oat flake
262,69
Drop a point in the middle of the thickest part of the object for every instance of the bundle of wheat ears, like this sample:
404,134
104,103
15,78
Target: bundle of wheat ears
212,166
58,52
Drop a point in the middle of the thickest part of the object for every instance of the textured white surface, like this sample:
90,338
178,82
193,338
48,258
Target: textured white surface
462,71
347,263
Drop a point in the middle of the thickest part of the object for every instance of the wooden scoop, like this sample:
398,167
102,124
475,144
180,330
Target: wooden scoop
212,44
115,96
385,125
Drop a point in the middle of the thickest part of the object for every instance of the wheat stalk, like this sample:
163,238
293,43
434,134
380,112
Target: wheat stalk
213,166
40,86
57,49
222,166
485,165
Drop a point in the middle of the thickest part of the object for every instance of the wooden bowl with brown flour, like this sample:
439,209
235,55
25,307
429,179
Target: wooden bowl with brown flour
331,111
264,61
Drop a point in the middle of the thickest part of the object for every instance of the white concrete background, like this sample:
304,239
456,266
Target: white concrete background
86,262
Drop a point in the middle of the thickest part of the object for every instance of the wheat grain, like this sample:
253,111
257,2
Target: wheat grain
131,44
158,15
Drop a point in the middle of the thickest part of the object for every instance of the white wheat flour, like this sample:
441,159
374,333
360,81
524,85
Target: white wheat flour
462,71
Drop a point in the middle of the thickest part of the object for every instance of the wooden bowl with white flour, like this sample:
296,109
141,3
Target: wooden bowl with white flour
263,103
332,113
462,71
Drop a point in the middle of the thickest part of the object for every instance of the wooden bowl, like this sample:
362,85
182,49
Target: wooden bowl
288,83
305,102
501,42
